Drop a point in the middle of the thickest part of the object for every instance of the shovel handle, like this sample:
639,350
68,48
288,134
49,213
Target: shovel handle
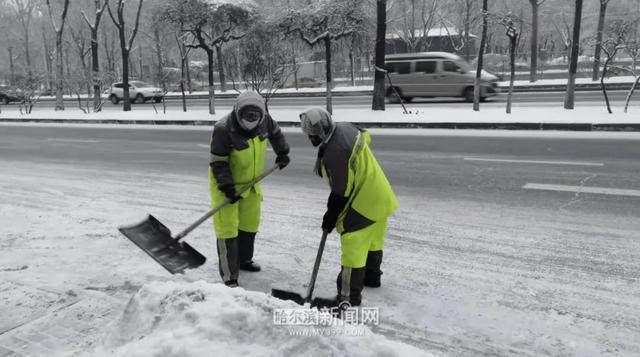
226,202
316,266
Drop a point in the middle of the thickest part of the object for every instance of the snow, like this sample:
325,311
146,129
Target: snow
563,81
495,283
204,319
596,114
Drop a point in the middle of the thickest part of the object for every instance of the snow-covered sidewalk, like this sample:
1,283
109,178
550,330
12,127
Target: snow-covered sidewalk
392,116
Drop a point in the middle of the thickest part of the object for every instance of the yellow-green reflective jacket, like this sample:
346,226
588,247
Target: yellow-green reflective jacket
352,171
238,157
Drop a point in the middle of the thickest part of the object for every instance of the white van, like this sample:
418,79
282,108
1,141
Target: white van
434,74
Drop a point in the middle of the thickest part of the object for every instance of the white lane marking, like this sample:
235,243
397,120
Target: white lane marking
72,140
575,163
582,189
179,152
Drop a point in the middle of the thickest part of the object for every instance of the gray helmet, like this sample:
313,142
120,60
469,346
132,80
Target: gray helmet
245,100
317,121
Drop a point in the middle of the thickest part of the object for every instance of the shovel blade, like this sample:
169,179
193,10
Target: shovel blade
288,295
154,238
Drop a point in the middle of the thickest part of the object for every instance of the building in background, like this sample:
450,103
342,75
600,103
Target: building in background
440,39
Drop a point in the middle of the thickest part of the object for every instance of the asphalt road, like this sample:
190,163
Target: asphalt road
519,99
508,246
479,168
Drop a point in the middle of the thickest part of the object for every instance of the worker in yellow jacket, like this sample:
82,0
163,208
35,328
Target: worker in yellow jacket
360,202
238,147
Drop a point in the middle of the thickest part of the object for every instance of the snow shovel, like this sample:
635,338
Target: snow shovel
297,298
155,239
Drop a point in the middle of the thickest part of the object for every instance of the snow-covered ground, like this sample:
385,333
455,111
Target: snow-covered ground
563,81
461,277
595,114
71,284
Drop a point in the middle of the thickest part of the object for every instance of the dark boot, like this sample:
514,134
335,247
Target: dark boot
228,260
350,283
231,283
372,269
246,241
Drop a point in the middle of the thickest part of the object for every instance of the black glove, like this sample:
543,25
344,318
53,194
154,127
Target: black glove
282,160
229,190
335,205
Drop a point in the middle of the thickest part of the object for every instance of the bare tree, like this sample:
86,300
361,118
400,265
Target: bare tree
265,67
535,7
466,8
184,66
509,22
377,103
208,25
80,41
100,6
24,12
325,23
59,64
48,58
417,19
477,89
125,45
569,101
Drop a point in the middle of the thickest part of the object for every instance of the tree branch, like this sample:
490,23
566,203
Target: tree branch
137,24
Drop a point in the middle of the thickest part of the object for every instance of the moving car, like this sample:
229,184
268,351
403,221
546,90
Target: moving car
434,74
139,92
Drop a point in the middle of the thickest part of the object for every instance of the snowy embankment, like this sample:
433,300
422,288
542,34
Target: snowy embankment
393,115
204,319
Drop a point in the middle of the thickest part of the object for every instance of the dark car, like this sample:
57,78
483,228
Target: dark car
8,95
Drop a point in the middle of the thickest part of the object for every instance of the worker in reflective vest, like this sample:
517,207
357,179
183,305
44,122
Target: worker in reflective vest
360,202
238,147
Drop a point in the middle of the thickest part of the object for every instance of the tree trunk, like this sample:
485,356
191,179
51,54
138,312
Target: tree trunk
220,63
598,50
604,88
159,69
12,80
212,107
467,29
630,94
140,63
379,80
533,72
188,69
327,54
512,75
59,73
95,69
182,79
569,100
47,61
125,79
27,55
295,66
351,69
483,40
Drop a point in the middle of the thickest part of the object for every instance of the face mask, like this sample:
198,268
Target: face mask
315,140
249,125
249,119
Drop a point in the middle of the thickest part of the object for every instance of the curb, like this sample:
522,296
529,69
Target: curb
589,87
627,127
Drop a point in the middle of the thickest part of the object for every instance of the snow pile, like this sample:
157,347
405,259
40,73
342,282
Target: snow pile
203,319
